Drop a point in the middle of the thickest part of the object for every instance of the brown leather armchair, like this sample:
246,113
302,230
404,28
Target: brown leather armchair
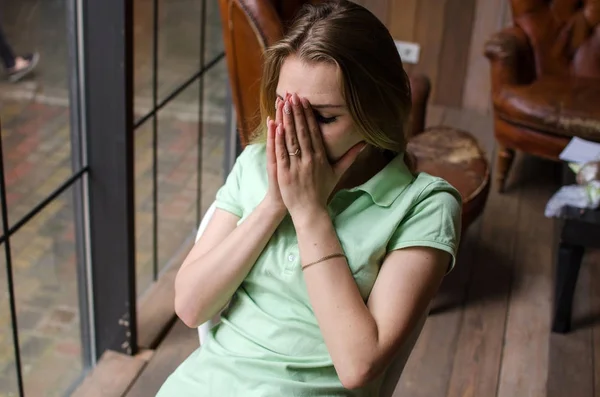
249,27
545,74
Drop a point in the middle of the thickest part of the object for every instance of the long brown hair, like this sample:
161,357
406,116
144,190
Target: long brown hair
374,84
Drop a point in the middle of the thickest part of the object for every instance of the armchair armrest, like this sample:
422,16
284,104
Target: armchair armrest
511,58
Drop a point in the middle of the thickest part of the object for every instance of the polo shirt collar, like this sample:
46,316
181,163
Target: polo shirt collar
385,186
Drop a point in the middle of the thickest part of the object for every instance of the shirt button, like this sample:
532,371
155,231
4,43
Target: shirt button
291,257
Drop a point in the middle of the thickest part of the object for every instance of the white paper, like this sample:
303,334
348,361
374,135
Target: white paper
581,151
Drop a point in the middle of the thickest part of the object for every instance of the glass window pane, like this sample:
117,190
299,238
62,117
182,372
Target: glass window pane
215,132
214,34
144,207
143,22
179,43
35,111
46,284
177,173
8,371
38,26
178,163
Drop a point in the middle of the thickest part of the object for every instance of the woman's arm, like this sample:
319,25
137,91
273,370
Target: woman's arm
362,339
224,255
220,260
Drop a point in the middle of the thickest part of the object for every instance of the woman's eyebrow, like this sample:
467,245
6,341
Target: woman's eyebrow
319,106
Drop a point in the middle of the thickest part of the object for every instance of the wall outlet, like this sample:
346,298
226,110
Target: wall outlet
409,52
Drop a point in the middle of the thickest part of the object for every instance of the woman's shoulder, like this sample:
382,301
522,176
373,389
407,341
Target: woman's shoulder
252,159
426,183
433,190
244,186
253,152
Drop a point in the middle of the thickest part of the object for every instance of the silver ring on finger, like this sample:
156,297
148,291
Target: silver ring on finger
296,153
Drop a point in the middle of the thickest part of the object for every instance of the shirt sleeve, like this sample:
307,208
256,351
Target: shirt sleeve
434,221
228,196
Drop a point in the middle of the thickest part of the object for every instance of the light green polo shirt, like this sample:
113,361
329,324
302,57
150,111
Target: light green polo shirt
268,343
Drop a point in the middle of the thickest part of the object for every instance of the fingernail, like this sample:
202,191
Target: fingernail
295,99
363,148
304,103
286,108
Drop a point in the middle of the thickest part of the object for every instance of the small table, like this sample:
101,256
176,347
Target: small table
579,228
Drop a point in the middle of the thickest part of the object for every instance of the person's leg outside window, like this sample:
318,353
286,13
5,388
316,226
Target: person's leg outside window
16,67
6,54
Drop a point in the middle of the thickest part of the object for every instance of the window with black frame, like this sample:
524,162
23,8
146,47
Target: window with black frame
111,151
180,108
44,342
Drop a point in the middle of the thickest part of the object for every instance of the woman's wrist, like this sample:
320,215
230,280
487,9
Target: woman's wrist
306,217
272,208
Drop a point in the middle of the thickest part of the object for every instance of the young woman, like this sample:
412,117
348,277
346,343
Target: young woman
325,247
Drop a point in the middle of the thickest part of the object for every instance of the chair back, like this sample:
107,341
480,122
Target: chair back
564,35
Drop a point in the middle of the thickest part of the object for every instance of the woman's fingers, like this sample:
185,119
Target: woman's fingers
291,139
301,126
283,159
314,131
271,159
278,112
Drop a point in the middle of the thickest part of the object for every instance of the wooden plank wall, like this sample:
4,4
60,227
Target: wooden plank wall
451,34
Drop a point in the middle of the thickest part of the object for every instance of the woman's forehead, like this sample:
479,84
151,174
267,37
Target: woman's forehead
318,82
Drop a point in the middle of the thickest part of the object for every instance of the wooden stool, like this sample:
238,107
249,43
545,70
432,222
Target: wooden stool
455,156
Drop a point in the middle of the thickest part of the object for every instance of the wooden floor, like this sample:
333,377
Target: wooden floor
489,332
